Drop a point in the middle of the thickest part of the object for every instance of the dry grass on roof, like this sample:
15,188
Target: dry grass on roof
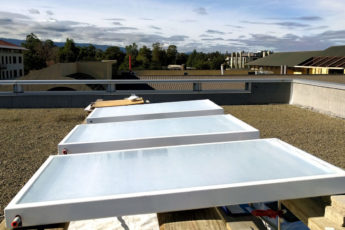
29,136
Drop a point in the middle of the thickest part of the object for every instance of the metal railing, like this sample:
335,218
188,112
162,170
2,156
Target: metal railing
197,84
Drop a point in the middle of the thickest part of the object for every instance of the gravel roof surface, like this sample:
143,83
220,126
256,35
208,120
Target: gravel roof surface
29,136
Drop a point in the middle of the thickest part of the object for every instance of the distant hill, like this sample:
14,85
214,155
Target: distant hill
18,42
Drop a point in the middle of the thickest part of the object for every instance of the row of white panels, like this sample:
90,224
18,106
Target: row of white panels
166,157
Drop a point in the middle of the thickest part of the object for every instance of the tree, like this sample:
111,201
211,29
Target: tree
131,50
33,58
158,56
216,59
114,53
171,54
181,58
199,60
99,56
87,53
69,52
144,57
192,59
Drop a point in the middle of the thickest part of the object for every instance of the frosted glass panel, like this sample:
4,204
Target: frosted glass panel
167,107
156,128
127,172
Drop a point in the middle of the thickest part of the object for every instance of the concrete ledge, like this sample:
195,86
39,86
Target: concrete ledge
325,97
323,84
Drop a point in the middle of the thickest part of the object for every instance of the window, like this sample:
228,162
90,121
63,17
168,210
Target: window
6,60
2,60
11,74
15,73
6,74
20,73
10,60
19,60
14,59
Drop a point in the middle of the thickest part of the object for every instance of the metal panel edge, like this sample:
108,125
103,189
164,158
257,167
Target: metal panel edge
24,189
155,116
158,142
179,201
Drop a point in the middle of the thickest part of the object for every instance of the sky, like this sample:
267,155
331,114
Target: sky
204,25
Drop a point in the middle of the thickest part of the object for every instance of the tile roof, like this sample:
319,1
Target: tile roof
296,58
285,58
8,45
325,61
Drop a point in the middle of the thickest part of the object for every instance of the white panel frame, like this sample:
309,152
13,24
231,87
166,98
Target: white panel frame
215,110
84,147
176,199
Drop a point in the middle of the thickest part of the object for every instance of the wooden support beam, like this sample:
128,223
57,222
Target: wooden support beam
307,208
322,223
312,212
208,219
201,219
241,222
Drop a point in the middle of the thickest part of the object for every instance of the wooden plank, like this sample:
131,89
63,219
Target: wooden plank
100,104
307,208
3,225
201,219
322,223
241,222
333,214
338,202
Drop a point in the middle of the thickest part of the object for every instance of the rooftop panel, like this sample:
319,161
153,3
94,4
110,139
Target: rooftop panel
157,132
154,111
172,178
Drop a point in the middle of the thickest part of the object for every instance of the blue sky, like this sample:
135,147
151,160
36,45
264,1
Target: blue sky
204,25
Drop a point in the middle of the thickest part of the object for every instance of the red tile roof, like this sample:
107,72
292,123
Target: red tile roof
8,45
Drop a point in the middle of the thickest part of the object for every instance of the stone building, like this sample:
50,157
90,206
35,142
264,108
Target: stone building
11,61
238,60
328,61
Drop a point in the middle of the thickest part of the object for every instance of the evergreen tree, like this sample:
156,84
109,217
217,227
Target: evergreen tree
87,53
144,57
131,50
69,52
114,53
158,56
171,54
33,58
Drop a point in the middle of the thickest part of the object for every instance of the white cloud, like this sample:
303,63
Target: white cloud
200,10
34,11
203,24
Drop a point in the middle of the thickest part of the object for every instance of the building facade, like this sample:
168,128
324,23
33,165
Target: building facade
11,61
328,61
238,60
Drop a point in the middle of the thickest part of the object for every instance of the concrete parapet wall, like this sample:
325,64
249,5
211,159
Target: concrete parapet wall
324,97
261,93
99,70
52,72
